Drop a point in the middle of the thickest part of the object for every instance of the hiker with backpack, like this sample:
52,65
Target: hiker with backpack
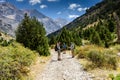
64,46
72,47
57,48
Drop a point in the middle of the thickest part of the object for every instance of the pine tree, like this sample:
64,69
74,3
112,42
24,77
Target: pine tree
32,34
95,38
52,40
111,26
76,39
65,36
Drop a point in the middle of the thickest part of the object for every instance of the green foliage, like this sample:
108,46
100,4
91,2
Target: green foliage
5,43
111,76
112,61
32,34
76,39
1,39
117,77
65,36
52,40
100,57
103,58
95,38
100,34
15,61
111,26
96,57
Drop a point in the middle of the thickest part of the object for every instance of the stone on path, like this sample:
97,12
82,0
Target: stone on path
67,69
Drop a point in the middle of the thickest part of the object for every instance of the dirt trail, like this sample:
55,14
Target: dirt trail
67,69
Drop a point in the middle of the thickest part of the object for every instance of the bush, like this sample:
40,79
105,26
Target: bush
111,76
117,77
1,39
15,62
117,47
81,54
5,43
100,57
96,57
112,61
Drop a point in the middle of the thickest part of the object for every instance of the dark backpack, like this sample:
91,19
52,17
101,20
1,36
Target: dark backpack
56,48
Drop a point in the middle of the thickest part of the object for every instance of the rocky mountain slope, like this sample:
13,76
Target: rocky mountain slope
62,22
10,17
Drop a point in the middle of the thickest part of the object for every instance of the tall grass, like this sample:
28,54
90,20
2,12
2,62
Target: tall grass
100,57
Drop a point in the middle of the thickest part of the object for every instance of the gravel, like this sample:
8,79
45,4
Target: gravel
66,69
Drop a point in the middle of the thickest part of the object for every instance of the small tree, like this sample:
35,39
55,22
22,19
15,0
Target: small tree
65,36
95,38
31,33
52,40
76,38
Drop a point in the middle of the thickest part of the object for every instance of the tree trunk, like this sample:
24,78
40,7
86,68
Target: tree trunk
118,26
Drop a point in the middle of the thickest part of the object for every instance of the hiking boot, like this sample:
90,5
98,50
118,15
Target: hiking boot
73,56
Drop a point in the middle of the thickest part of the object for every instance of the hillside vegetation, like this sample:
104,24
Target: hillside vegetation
15,60
100,11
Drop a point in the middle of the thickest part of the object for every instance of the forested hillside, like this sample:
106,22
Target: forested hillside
101,11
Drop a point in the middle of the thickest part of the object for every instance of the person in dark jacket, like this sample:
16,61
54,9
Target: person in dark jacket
59,51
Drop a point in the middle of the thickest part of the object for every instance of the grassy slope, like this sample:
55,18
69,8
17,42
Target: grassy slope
99,71
18,62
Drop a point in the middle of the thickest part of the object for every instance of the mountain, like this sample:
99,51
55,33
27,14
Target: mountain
62,22
10,17
101,11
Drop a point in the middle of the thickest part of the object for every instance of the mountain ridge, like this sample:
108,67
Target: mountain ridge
10,17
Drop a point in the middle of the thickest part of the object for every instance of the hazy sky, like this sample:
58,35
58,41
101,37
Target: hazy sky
67,9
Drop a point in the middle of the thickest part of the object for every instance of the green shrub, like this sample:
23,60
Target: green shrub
112,61
15,62
1,39
117,77
90,66
96,57
117,47
5,43
111,76
81,54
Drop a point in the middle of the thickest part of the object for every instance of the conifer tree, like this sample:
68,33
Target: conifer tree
65,36
76,39
95,38
31,33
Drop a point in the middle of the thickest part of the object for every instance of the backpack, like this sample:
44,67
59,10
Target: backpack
56,48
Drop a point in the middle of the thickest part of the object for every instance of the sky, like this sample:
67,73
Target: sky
66,9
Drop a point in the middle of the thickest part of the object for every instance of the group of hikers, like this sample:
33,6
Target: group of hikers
59,47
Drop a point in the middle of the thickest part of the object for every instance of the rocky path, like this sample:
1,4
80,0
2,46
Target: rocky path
67,69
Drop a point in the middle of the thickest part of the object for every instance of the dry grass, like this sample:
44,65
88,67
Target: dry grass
99,73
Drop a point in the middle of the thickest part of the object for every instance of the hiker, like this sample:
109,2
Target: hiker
58,50
64,48
72,47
